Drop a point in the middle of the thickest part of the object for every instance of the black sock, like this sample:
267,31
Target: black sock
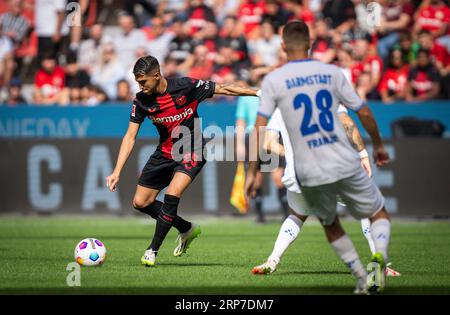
283,200
154,209
165,221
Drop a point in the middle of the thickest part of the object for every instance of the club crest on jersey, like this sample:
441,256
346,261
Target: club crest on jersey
181,100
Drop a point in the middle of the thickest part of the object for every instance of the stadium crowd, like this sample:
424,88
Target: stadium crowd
403,55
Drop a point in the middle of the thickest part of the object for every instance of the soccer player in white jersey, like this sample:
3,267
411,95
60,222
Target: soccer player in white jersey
308,93
291,227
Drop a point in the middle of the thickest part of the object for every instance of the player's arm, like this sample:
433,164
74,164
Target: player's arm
272,144
380,155
234,90
255,144
126,148
354,136
347,96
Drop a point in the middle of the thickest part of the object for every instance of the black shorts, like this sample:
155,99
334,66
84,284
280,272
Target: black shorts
159,170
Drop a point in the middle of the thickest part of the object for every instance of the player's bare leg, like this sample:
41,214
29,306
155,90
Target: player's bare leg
276,176
289,231
258,198
344,248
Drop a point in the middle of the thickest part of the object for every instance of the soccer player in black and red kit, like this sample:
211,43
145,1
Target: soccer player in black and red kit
171,104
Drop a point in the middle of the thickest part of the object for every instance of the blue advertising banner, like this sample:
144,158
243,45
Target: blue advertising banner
111,120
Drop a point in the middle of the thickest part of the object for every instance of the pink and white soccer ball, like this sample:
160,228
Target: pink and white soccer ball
90,252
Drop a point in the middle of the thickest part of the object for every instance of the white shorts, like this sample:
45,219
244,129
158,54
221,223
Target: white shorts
359,192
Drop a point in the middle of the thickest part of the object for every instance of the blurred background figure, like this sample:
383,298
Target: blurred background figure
49,81
124,93
423,79
393,84
14,94
108,71
51,29
14,24
90,48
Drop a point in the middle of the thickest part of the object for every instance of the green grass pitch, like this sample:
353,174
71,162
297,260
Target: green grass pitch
34,253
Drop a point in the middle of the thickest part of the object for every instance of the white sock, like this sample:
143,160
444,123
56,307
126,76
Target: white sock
288,233
346,251
381,234
365,225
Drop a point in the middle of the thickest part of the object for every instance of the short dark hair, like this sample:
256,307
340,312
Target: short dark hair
296,35
145,65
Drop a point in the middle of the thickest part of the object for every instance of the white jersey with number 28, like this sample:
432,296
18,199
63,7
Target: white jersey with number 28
308,94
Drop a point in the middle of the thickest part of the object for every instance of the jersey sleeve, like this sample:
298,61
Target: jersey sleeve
345,93
137,115
202,89
267,98
275,121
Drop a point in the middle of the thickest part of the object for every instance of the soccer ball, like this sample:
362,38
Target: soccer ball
90,252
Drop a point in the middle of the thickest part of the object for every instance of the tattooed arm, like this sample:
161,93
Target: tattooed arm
354,136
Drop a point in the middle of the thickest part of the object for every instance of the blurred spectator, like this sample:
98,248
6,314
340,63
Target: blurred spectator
396,17
129,76
93,95
75,80
89,51
439,54
265,50
51,29
423,79
393,84
199,15
170,68
108,71
148,9
14,23
364,87
367,61
408,48
172,9
224,8
208,37
6,59
339,14
49,81
84,14
323,47
159,39
300,11
227,63
75,77
250,14
275,14
198,66
181,45
433,17
230,35
129,39
124,93
14,93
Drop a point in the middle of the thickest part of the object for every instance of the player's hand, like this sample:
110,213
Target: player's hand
112,182
365,164
380,156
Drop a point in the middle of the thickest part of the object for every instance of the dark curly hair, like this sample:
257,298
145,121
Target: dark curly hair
145,65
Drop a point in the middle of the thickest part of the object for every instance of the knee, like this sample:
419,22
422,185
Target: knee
139,203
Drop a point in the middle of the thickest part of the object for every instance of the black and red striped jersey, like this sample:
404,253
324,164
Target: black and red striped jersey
177,106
